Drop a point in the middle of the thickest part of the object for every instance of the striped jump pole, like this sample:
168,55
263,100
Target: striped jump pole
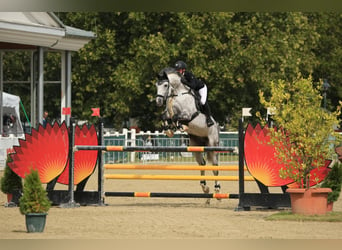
175,177
171,167
172,195
154,148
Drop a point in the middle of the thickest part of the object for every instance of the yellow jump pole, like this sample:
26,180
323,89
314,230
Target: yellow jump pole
171,167
175,177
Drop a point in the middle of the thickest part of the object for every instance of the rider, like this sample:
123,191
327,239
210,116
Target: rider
199,86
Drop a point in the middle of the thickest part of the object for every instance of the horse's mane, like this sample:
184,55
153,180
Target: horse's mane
162,75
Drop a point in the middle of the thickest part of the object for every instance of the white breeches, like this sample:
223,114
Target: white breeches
203,93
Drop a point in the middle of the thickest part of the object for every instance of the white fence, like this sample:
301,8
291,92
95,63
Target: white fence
131,138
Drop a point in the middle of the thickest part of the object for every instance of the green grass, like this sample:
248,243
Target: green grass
289,216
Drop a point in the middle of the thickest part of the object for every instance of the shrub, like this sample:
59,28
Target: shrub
10,181
302,140
334,181
34,198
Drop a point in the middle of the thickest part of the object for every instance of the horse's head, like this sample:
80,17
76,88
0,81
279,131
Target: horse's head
163,86
169,83
162,91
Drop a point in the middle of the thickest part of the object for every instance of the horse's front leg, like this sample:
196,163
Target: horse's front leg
217,186
167,124
204,186
203,183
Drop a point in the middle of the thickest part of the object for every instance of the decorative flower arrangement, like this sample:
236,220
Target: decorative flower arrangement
302,141
263,164
45,150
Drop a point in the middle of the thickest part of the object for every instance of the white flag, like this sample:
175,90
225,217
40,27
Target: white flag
246,112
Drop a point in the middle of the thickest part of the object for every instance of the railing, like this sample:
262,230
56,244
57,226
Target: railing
130,138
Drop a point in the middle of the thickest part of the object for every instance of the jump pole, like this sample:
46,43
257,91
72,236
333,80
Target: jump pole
153,148
172,195
175,177
171,167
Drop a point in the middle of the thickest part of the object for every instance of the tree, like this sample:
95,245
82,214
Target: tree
236,53
34,198
328,53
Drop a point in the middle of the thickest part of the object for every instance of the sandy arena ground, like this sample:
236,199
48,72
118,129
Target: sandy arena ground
162,218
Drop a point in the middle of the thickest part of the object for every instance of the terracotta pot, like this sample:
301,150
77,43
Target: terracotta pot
309,201
330,206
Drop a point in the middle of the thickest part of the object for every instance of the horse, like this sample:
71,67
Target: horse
183,113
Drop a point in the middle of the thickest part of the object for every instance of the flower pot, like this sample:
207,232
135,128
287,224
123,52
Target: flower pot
330,206
35,222
312,201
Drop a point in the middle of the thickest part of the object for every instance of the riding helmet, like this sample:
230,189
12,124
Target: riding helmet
180,65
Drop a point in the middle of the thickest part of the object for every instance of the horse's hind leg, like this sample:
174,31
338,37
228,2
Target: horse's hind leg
195,141
213,157
200,160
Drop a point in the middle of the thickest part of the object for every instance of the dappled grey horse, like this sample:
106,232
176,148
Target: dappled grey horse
183,113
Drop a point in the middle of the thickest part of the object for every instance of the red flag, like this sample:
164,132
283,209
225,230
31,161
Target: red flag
66,111
96,112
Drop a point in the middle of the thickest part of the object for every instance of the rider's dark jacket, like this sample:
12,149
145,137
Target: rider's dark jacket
190,80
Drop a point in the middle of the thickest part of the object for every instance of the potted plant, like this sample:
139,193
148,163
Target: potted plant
334,181
302,138
11,184
34,203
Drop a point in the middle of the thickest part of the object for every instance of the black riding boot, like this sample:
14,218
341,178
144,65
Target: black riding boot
207,112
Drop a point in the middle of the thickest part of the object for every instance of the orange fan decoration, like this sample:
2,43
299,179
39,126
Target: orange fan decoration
262,163
317,175
259,157
45,150
85,160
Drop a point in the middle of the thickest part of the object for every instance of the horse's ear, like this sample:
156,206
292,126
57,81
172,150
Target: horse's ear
162,75
159,76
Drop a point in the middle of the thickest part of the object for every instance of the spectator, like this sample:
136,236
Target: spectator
45,118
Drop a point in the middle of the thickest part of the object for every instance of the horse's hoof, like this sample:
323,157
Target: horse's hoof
217,191
207,202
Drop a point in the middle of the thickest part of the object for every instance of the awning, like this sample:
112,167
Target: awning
41,29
